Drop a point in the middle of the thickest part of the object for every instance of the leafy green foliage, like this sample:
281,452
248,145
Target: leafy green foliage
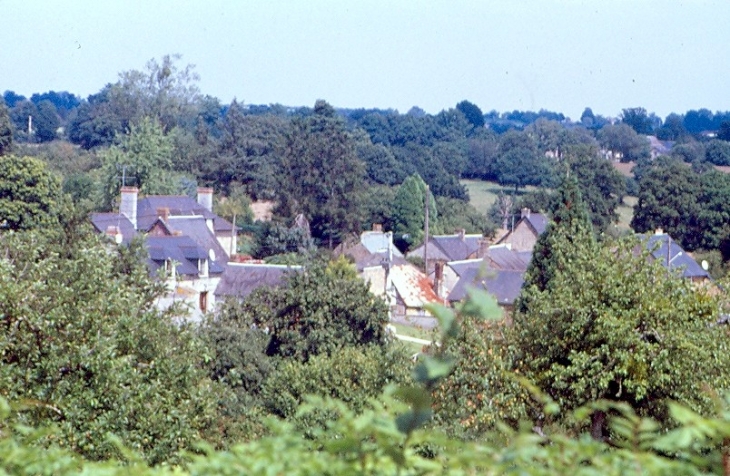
409,212
693,208
612,325
321,176
318,311
82,347
6,130
30,195
623,141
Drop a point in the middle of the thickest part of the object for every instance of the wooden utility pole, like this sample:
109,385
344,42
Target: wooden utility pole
425,232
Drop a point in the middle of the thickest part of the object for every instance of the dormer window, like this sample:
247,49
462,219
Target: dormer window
203,267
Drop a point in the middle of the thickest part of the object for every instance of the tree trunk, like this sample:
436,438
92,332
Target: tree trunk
598,422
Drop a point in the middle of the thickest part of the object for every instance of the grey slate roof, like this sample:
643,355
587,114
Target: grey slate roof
504,285
241,279
196,229
662,247
183,250
501,257
147,211
102,221
364,258
538,221
454,247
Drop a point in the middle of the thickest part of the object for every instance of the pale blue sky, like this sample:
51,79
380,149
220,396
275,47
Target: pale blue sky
561,55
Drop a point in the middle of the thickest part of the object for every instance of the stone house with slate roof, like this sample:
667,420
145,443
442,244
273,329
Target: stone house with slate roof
524,234
185,240
239,280
671,255
500,272
406,289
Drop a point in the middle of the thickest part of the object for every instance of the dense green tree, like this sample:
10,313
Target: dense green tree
472,113
321,176
568,232
46,122
638,119
616,326
248,153
602,187
717,152
30,195
482,152
668,199
673,129
318,311
409,212
546,134
621,139
142,158
380,163
354,375
724,132
6,130
690,151
519,162
84,349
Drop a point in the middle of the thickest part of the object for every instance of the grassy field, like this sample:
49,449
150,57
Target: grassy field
626,212
413,331
482,194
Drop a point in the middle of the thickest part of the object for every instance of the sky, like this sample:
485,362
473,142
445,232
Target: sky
560,55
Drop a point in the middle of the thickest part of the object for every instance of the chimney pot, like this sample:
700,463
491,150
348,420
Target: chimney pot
163,213
128,205
205,198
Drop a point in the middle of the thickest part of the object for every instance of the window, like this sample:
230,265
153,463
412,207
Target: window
203,267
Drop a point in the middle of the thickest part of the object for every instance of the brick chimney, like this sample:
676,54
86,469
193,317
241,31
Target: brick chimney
525,213
128,205
205,198
163,213
461,232
377,227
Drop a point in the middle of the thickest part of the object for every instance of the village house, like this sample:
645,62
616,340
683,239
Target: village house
186,242
445,248
501,273
239,280
404,287
524,234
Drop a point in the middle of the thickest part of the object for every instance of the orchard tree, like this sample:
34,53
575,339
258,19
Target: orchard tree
30,195
84,350
613,324
317,311
409,212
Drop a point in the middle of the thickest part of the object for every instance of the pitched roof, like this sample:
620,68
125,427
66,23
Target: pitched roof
102,222
178,205
664,249
413,287
537,221
197,229
504,285
365,259
503,257
182,250
241,279
457,247
378,242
